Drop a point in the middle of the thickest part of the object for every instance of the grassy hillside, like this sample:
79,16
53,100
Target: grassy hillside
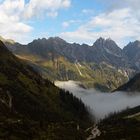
132,86
33,108
121,126
102,76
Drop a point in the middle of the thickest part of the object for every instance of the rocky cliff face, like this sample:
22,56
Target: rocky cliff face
132,86
132,51
109,52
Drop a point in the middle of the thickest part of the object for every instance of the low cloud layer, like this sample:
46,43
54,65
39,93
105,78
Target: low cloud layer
102,104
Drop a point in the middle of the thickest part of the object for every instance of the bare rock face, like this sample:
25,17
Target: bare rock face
101,51
132,50
132,86
109,52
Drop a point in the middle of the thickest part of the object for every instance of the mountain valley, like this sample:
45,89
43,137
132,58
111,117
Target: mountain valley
28,101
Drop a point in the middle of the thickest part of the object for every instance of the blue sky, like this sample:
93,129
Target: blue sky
81,21
75,14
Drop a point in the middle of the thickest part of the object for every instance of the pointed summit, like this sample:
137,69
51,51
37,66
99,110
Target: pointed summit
132,51
99,42
134,44
109,51
106,44
57,39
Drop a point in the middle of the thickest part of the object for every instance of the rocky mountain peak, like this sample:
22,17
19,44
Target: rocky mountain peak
101,42
56,39
108,46
134,44
132,51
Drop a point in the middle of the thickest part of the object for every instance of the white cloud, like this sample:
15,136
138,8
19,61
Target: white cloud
66,24
48,7
87,11
119,25
11,24
119,4
14,15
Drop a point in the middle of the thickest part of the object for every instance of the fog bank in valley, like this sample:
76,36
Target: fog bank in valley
102,104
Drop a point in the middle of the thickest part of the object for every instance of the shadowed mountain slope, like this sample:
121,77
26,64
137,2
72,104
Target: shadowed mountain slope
132,86
33,108
123,125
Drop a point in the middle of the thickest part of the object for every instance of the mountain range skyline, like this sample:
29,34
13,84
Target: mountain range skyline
57,37
56,59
